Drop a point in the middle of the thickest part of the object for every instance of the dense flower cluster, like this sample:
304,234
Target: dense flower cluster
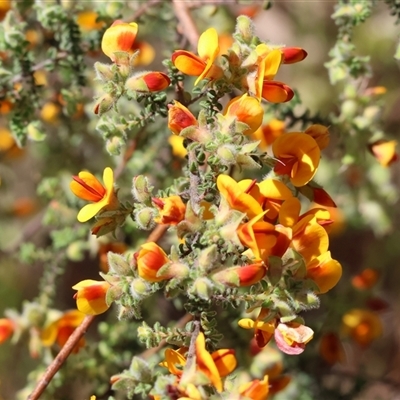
249,232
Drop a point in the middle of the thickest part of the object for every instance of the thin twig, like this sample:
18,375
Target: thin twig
130,149
192,347
188,27
157,233
194,180
61,358
142,9
202,3
42,64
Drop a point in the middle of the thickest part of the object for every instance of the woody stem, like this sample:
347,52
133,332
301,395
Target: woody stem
61,358
64,353
192,347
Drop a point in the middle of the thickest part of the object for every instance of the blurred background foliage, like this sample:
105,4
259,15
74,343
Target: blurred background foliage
51,115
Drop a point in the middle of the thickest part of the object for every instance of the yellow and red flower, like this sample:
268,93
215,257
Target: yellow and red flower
324,271
320,134
203,64
259,236
148,82
238,198
255,389
214,366
87,187
171,210
307,235
245,275
366,279
291,338
268,133
120,36
91,296
87,21
297,156
263,331
363,326
246,109
384,151
261,83
272,194
150,259
62,328
179,117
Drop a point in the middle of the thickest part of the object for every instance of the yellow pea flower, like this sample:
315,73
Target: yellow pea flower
246,109
298,156
291,338
91,296
263,331
171,210
150,259
214,366
363,326
384,151
61,329
180,117
87,187
120,36
237,198
255,389
324,271
203,64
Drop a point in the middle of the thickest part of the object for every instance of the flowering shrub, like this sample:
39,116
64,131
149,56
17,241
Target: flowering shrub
211,301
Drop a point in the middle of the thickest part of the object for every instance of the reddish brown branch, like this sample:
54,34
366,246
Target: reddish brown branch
144,7
157,233
61,358
188,27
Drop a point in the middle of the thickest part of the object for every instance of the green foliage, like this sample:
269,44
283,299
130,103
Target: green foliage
126,128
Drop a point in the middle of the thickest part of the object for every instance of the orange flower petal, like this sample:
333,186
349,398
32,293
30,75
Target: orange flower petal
87,187
384,151
236,198
324,271
300,154
150,259
188,63
246,109
120,36
6,329
206,363
91,296
225,361
272,63
293,55
276,92
289,212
